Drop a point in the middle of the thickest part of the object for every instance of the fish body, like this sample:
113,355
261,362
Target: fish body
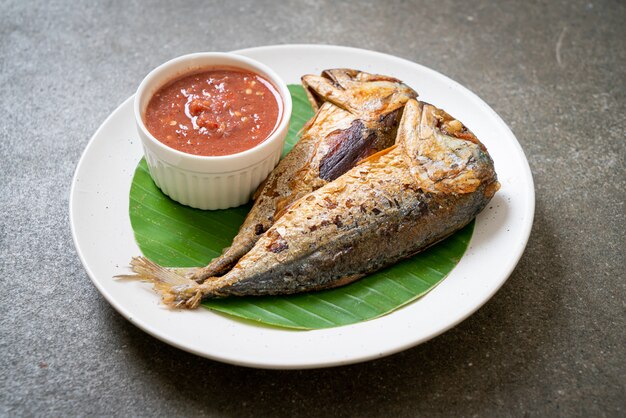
395,203
357,114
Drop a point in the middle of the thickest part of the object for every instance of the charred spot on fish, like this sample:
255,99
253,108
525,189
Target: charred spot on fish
375,211
272,193
347,147
278,246
325,222
337,221
277,243
259,229
363,208
313,228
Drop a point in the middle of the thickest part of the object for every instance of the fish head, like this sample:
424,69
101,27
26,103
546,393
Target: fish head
444,155
368,96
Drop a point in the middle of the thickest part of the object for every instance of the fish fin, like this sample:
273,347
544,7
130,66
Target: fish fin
187,272
177,291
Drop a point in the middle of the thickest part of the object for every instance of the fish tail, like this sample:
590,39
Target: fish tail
176,288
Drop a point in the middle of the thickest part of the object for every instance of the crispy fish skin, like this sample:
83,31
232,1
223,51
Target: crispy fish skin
357,115
394,204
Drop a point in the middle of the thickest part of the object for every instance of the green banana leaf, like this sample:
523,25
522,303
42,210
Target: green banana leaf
175,235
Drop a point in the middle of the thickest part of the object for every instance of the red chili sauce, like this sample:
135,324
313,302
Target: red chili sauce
218,112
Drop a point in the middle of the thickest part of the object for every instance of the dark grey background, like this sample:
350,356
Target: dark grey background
551,341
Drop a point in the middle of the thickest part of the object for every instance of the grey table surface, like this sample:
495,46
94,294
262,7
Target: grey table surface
550,342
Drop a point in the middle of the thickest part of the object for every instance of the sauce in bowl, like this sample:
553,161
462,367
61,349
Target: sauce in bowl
221,111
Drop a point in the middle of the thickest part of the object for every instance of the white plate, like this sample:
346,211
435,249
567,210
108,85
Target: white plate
105,243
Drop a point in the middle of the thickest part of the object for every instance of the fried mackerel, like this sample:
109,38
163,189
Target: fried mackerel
357,115
395,203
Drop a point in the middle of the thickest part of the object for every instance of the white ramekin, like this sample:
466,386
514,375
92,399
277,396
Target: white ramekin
203,182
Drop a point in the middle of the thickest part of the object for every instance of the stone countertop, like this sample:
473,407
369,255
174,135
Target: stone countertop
550,342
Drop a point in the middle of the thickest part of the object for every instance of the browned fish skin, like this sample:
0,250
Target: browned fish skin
357,114
394,204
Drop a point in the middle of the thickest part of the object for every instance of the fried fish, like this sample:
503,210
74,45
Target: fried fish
393,204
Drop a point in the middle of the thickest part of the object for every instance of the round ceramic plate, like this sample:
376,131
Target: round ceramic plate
105,243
